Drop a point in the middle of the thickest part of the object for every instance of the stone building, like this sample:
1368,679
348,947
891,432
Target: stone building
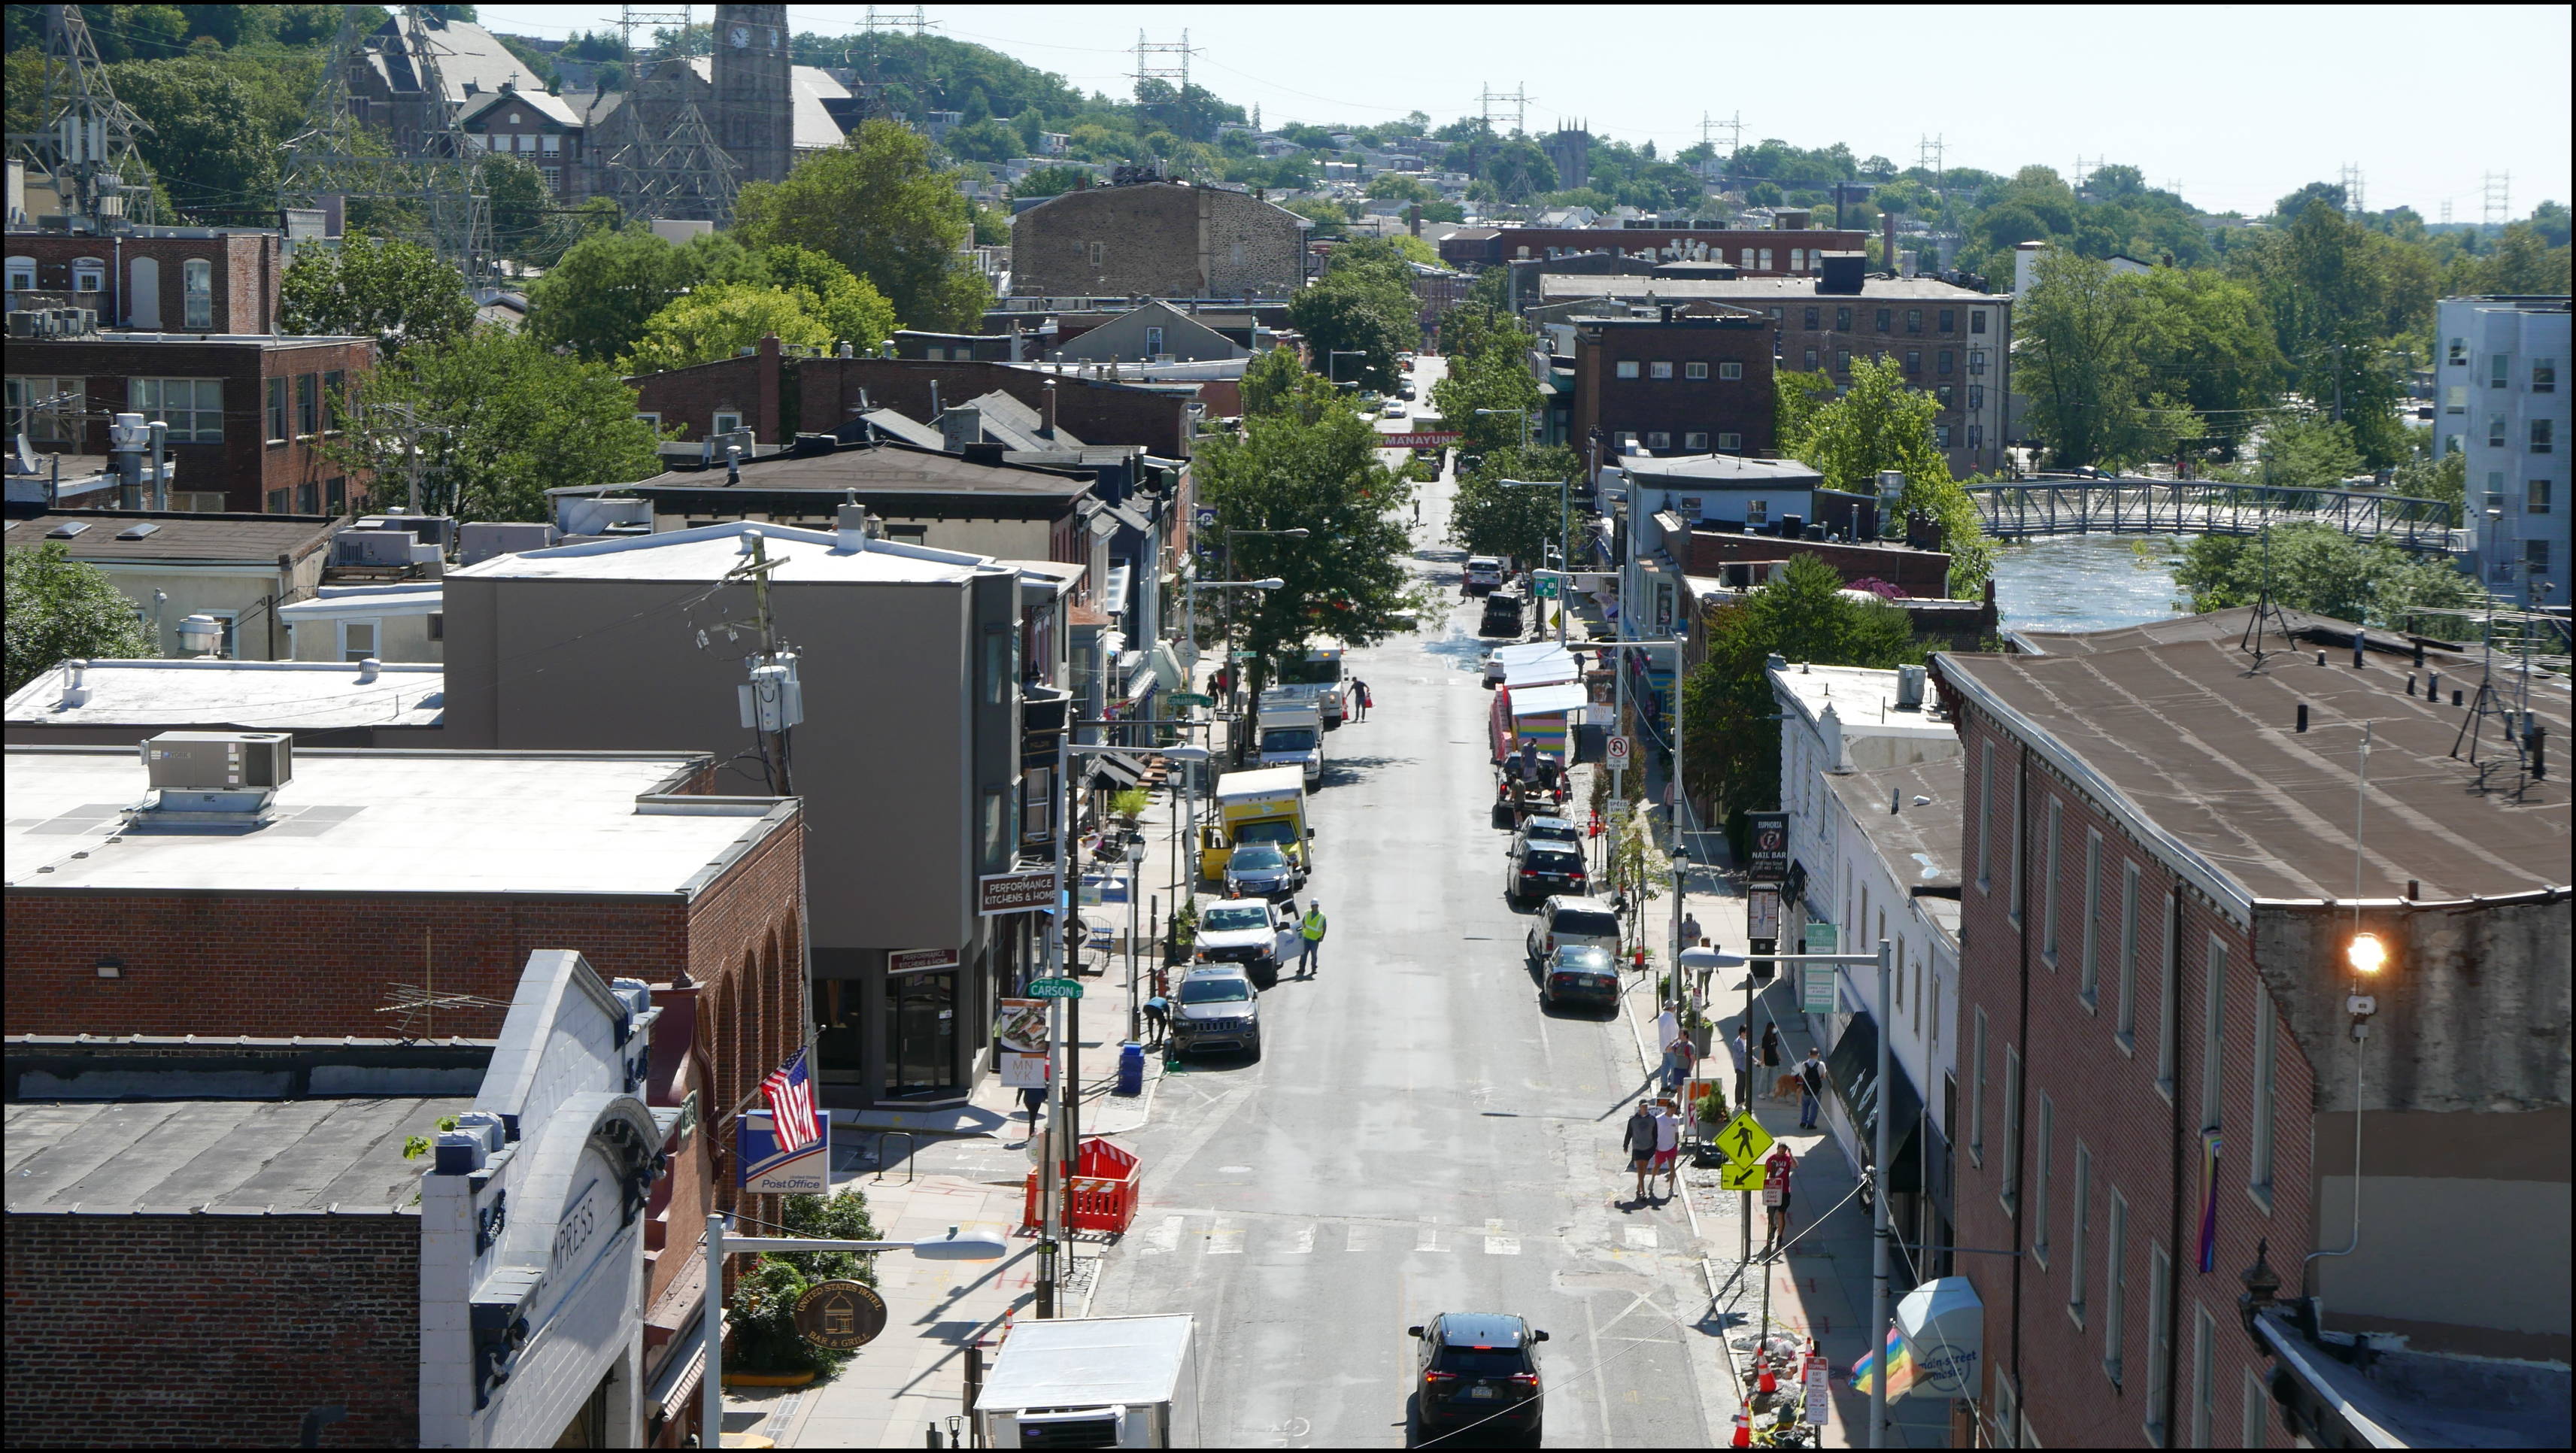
1156,239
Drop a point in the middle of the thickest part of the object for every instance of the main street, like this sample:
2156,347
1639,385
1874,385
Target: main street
1420,1135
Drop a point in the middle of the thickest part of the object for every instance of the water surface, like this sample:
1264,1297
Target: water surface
2087,582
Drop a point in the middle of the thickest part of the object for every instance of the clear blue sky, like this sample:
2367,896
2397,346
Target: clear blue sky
2239,103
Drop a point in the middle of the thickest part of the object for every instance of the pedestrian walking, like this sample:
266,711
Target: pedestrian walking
1690,927
1668,1147
1639,1141
1157,1017
1811,1088
1032,1099
1679,1055
1310,938
1771,1046
1361,699
1778,1206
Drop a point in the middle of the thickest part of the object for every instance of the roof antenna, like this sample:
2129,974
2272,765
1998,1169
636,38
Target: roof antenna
2264,610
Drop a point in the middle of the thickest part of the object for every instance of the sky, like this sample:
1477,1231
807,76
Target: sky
2238,104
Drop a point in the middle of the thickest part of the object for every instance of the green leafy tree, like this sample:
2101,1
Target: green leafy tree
1050,181
1363,304
2306,452
2078,359
2322,570
597,299
2444,478
1797,398
875,205
501,418
519,204
1731,732
763,1307
397,292
848,305
1310,463
1521,521
61,609
1488,396
2340,296
1879,424
207,148
719,322
1272,381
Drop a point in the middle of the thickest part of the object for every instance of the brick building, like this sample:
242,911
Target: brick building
185,332
776,395
2159,1081
1157,239
1753,250
243,570
1685,381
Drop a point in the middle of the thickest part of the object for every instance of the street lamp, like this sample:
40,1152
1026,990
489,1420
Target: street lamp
955,1246
1330,368
1564,529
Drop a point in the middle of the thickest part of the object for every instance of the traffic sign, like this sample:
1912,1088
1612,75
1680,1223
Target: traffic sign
1072,989
1207,518
1544,587
1191,698
1744,1140
1742,1176
1618,751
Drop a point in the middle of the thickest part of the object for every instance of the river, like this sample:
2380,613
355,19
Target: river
2087,582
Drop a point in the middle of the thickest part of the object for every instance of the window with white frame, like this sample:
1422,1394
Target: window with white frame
2048,885
2258,1152
2204,1375
725,423
1658,439
197,294
1727,441
2043,1162
2079,1220
2499,370
2169,999
47,409
1766,267
1659,369
89,275
1977,1088
1727,371
2010,1188
192,407
2544,375
2124,1019
2159,1343
1695,441
1694,370
2089,969
358,640
2115,1285
22,274
1985,815
2213,1031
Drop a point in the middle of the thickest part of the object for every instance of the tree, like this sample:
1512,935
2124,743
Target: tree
1520,521
848,306
2445,478
1880,424
763,1306
519,202
719,322
2091,399
500,419
1051,181
1730,723
2322,570
396,292
61,609
1363,304
597,299
875,205
1489,371
1310,463
1798,397
2306,452
1272,381
207,149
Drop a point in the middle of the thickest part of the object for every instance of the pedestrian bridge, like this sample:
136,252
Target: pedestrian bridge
2077,506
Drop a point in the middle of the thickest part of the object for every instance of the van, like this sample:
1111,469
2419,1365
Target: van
1483,573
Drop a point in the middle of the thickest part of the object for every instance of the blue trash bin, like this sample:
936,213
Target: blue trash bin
1131,1069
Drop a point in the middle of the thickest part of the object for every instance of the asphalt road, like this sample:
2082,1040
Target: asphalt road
1420,1135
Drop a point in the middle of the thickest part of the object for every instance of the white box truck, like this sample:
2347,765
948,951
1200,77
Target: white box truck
1292,733
1093,1382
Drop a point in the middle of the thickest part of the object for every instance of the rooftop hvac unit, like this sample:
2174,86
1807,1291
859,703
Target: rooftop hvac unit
26,324
374,547
219,761
1909,688
1072,1428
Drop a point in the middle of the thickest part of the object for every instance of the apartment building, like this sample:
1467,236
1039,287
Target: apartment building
2502,405
1691,380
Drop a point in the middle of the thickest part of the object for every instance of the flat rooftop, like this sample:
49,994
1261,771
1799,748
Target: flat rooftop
1919,840
1760,291
2195,744
520,823
298,696
709,551
1691,471
220,1157
1862,698
169,537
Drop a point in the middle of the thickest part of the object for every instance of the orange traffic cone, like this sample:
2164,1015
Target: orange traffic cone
1768,1382
1743,1430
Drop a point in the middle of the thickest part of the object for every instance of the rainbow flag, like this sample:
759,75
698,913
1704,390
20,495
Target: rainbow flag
1900,1367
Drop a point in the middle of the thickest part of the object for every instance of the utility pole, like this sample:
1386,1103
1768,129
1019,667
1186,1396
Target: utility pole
772,701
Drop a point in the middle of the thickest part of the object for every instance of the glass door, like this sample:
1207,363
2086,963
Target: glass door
921,1037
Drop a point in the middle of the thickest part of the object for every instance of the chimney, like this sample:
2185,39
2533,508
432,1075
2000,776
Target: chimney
854,527
1050,408
1887,250
960,427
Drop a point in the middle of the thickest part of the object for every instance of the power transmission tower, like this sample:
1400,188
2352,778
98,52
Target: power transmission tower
1491,105
896,20
2352,191
671,167
86,147
1173,73
631,19
430,175
2446,211
2499,197
1927,155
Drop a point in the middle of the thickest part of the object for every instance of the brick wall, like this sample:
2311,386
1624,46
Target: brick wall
1916,572
1606,405
2105,1098
1851,325
1669,243
246,271
226,1330
1159,239
287,477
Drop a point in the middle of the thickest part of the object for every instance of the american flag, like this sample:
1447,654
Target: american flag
791,1104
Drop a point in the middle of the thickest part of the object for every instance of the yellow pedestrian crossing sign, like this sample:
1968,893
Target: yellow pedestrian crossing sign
1743,1140
1738,1175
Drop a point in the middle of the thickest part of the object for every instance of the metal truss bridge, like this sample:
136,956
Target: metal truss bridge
2076,506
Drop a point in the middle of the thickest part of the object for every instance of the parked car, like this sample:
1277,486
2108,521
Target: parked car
1569,920
1483,573
1477,1368
1216,1008
1552,830
1259,869
1393,409
1502,615
1252,933
1537,869
1405,393
1579,974
1494,670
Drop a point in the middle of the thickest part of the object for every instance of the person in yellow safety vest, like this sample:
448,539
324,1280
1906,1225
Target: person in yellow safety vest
1310,933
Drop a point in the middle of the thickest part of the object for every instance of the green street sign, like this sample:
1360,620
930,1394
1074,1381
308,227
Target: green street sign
1191,698
1546,587
1054,989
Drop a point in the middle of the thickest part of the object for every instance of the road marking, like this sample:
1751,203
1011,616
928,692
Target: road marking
1304,1241
1165,1238
1641,1238
1224,1240
1363,1236
1427,1238
1499,1240
1234,1170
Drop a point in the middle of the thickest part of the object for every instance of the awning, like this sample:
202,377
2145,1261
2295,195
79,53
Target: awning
1120,772
1944,1326
678,1380
1853,1066
1558,664
1114,600
1167,668
1548,700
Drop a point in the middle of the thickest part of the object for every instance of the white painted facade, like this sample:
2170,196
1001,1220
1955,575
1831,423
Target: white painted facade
1836,719
2501,399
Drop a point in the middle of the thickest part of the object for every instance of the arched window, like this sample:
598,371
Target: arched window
89,275
22,274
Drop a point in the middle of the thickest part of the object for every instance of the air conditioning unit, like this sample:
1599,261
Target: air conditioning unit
219,761
27,323
374,547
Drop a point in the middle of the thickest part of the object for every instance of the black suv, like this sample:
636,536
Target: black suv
1538,867
1502,615
1477,1368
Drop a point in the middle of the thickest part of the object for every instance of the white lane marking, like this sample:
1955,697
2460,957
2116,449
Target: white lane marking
1234,1170
1304,1241
1165,1238
1499,1240
1427,1237
1363,1235
1224,1240
1641,1238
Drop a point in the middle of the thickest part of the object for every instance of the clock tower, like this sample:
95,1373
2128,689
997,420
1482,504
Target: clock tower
754,113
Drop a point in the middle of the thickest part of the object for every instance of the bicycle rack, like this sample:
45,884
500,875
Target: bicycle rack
912,1150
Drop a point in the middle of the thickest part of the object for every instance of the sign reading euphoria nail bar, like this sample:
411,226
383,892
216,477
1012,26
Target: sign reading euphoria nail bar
1014,892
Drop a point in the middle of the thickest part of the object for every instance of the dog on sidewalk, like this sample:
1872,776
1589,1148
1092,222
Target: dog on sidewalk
1785,1088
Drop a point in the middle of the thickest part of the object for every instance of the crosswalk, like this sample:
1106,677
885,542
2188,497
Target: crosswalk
1231,1233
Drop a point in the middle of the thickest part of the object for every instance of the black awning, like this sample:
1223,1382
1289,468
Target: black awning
1853,1067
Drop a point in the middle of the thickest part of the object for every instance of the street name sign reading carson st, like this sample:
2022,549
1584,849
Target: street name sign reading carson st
1055,989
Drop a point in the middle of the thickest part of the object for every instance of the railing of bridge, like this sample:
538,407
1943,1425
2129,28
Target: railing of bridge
2075,506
